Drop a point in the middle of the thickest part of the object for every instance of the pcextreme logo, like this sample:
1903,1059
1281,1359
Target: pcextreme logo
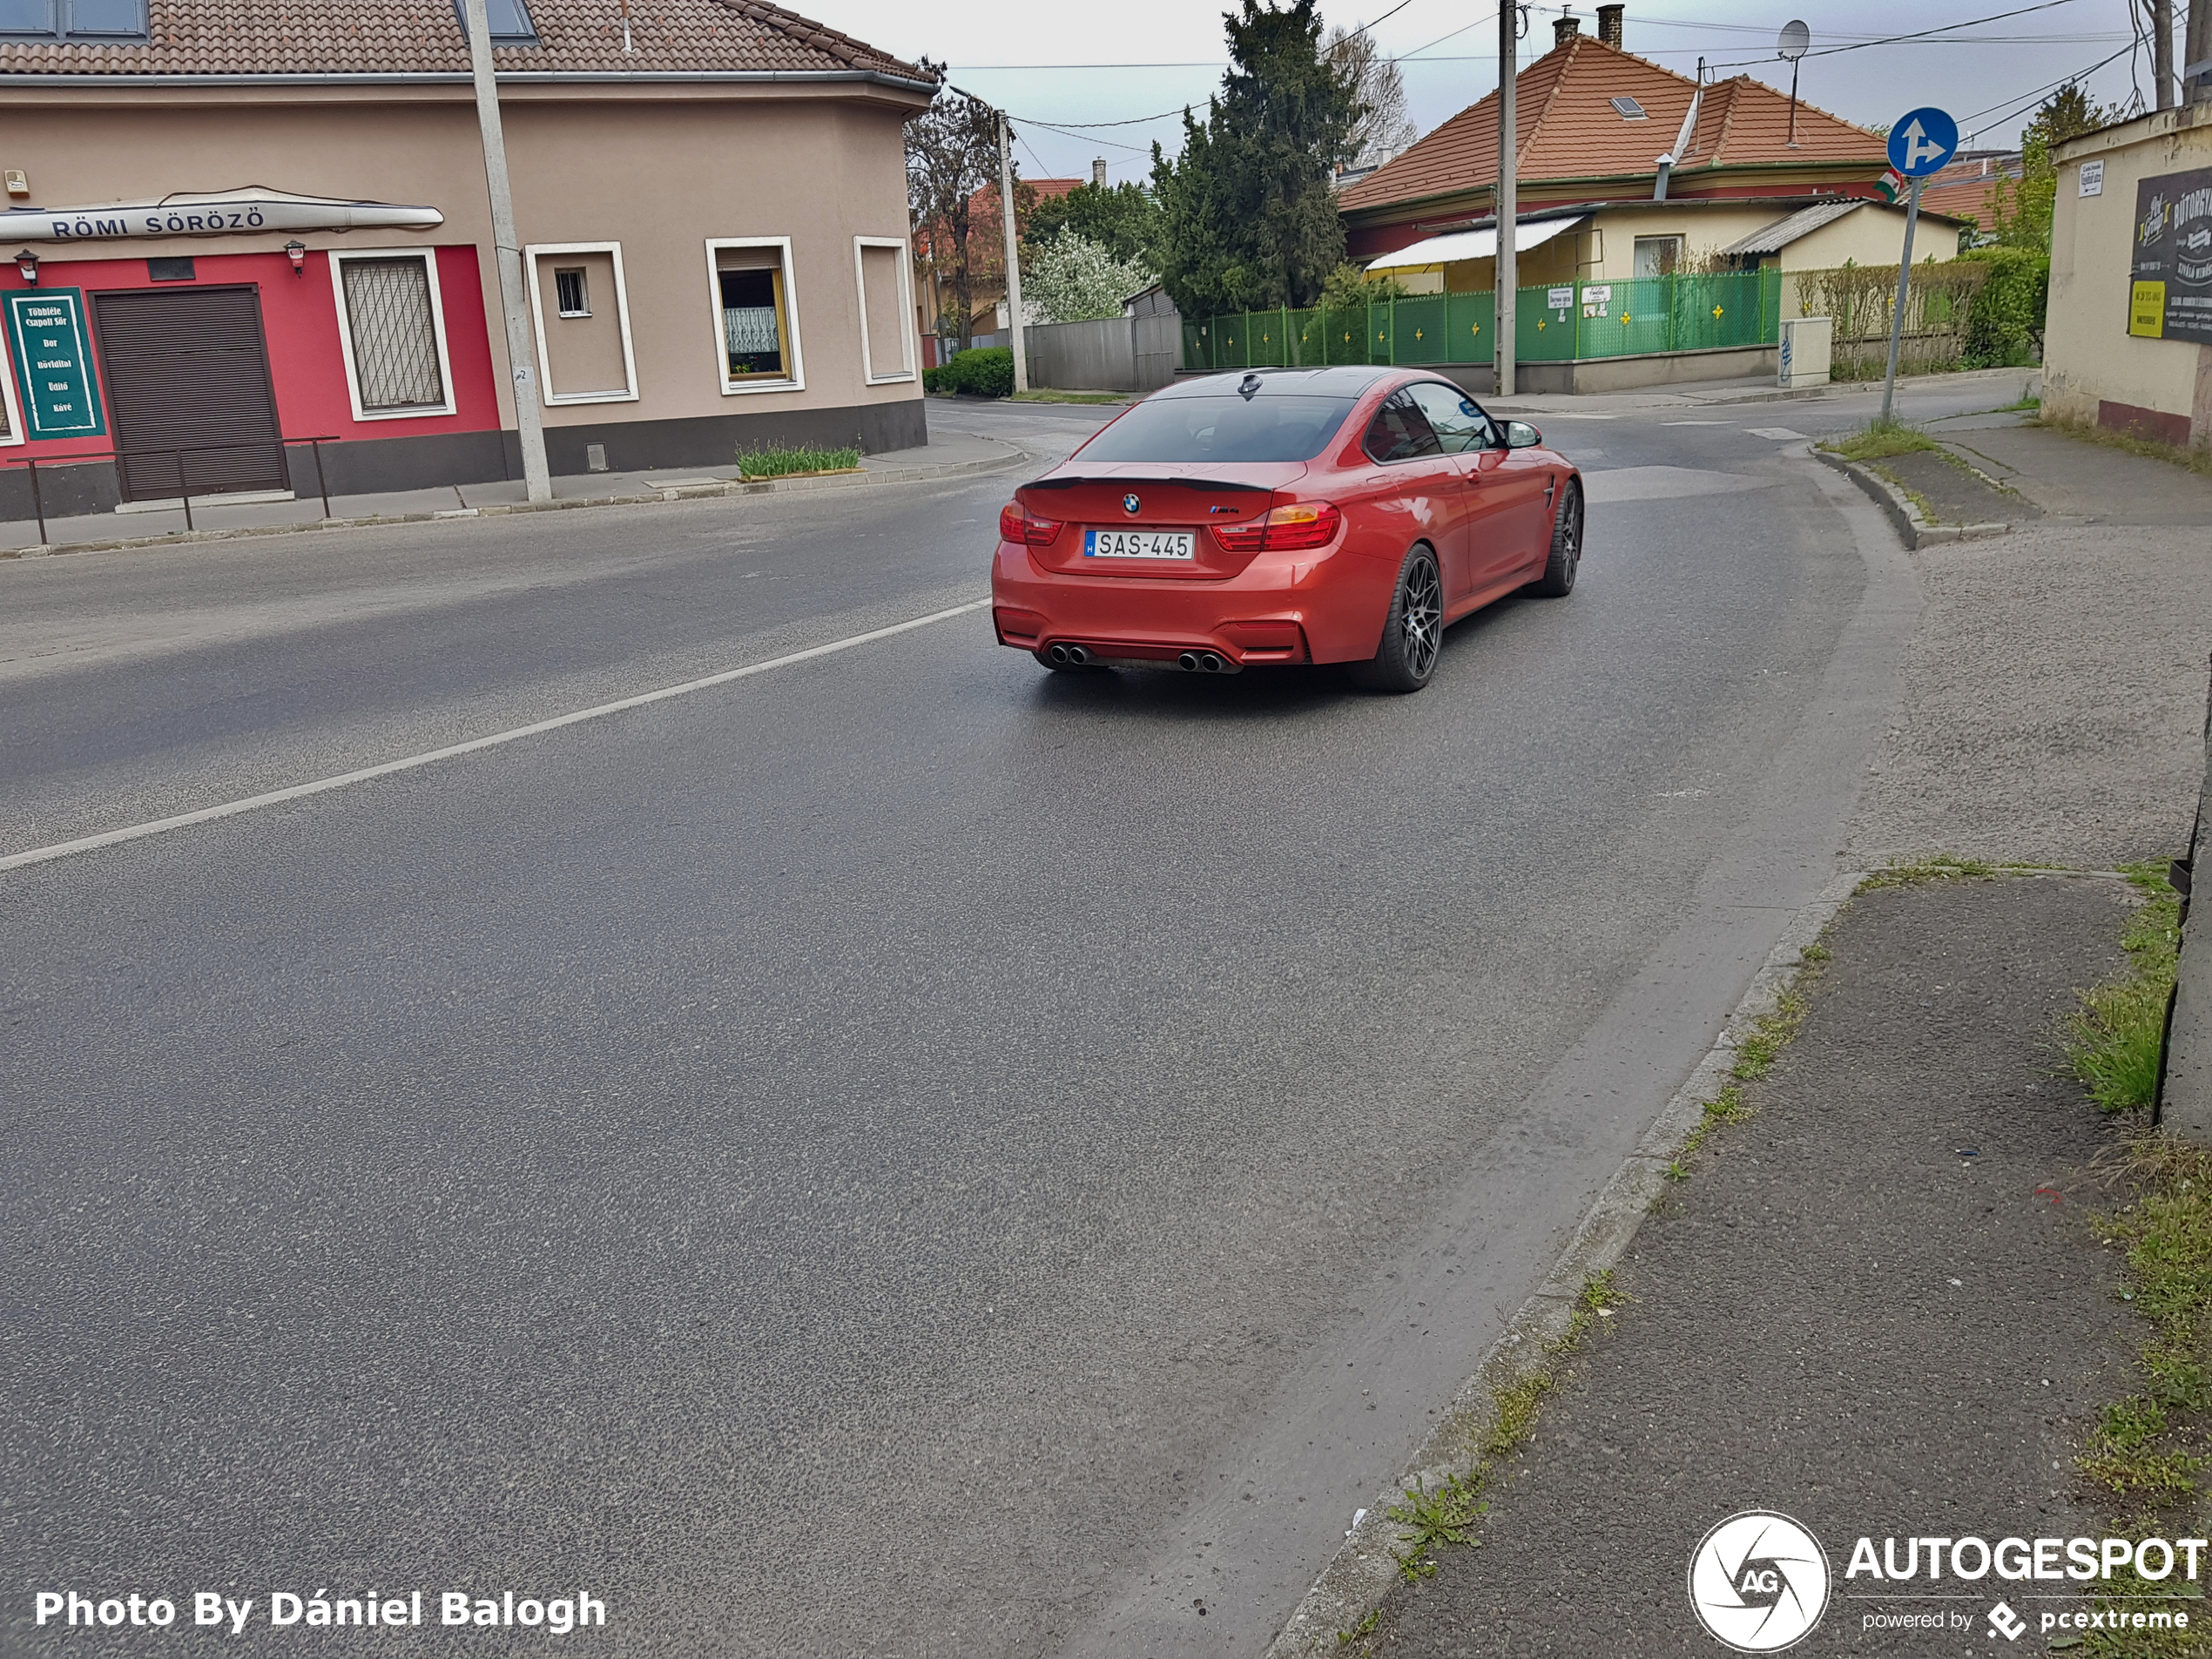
1758,1582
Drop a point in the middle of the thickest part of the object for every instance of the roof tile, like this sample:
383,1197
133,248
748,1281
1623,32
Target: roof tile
1568,128
424,36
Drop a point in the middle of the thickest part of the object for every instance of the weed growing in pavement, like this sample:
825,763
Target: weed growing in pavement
782,461
2112,1040
1878,438
1755,1056
1941,867
1364,1628
1449,1513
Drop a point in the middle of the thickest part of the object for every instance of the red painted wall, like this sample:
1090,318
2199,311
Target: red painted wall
306,362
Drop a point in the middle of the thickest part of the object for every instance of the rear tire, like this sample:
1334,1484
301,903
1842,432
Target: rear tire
1412,632
1558,579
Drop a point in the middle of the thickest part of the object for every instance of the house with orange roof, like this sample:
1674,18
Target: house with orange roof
1626,169
936,302
251,249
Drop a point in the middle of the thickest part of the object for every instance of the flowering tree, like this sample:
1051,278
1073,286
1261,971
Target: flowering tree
1069,278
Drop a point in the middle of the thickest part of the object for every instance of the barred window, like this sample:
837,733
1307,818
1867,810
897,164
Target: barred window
571,298
394,336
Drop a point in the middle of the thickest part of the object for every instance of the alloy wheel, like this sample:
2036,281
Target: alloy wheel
1421,616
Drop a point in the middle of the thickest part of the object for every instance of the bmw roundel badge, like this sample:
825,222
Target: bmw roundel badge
1130,503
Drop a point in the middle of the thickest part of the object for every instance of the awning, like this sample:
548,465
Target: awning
1475,244
221,213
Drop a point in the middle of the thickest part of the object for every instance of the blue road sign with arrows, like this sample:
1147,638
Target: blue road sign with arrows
1921,142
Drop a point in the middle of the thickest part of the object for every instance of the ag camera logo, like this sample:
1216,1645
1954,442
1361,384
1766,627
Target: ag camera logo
1759,1581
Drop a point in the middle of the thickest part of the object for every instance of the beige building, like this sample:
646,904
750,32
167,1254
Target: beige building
1620,241
2129,342
244,225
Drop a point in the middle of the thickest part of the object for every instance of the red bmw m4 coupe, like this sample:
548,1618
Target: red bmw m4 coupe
1342,514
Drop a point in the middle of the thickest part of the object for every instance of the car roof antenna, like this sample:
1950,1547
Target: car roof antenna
1248,386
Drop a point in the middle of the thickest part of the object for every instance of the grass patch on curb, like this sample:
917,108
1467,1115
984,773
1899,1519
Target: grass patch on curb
785,461
2149,1451
1049,396
2112,1040
1447,1512
1878,438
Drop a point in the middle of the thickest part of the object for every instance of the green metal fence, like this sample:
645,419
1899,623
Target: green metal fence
1552,324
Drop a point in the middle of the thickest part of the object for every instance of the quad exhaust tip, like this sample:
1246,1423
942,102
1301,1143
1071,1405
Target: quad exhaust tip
1075,656
1199,661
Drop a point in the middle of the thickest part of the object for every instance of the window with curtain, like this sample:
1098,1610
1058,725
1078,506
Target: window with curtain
753,327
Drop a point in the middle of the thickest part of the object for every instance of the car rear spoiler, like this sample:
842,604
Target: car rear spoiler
1190,483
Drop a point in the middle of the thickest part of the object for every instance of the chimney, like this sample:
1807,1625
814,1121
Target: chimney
1608,24
1565,29
1098,172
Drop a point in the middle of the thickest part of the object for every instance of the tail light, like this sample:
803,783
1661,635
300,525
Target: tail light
1016,525
1300,524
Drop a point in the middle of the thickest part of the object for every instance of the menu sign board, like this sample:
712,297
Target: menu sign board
54,363
2169,292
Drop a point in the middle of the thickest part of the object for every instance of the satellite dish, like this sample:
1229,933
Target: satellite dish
1795,41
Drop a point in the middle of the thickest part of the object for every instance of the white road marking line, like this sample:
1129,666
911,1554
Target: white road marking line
275,796
1696,423
1779,434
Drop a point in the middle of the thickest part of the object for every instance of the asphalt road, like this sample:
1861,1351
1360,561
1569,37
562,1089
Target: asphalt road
885,1156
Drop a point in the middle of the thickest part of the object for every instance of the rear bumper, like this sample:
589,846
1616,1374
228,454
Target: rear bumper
1324,606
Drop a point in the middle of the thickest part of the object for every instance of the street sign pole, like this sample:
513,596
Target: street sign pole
1921,145
514,293
1897,316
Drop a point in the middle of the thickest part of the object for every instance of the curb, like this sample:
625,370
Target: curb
1847,388
1914,528
1354,1582
859,479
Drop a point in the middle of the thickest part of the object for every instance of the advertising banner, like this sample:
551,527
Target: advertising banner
61,399
2170,293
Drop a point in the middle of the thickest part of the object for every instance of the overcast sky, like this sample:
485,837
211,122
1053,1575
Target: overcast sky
1050,60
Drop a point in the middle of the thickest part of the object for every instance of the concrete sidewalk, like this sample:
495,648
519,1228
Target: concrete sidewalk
948,454
1874,1307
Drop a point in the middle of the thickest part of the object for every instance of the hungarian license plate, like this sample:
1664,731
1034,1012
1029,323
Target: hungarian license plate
1139,544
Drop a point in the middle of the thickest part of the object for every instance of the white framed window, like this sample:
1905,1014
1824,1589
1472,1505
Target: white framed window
392,328
571,297
10,411
756,315
884,274
598,367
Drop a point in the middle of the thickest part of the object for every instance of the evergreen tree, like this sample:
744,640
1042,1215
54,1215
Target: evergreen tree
1249,218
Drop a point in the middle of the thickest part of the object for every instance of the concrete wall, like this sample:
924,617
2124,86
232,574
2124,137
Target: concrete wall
2093,370
1109,354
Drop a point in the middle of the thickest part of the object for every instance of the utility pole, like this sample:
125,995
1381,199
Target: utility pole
1506,197
1013,252
521,353
2197,55
2161,49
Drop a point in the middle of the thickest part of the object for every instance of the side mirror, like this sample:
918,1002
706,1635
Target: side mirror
1520,435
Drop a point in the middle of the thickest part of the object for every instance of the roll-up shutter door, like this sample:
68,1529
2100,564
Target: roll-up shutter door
187,369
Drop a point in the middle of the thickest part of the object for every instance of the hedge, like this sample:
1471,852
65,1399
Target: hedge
2006,327
985,373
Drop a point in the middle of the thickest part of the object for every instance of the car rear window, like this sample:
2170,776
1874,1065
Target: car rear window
1222,428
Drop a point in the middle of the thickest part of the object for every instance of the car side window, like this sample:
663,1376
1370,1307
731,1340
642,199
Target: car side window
1400,431
1460,426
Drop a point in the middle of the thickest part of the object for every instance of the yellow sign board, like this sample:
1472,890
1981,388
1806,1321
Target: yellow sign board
2146,311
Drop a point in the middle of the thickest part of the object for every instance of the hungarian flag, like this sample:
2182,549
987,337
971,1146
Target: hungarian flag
1892,185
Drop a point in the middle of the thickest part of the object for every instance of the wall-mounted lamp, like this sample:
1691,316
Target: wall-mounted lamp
296,250
27,262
